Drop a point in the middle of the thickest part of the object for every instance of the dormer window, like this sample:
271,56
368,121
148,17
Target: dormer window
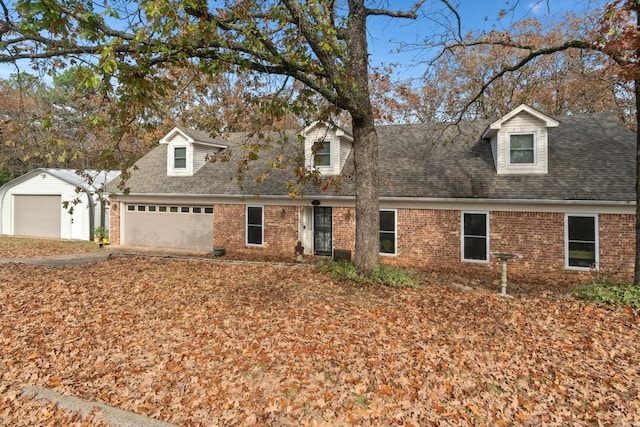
322,156
522,149
180,157
188,151
326,148
520,142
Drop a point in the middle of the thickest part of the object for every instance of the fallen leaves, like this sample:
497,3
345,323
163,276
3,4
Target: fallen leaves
204,343
26,247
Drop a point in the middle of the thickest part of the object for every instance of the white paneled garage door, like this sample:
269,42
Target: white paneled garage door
37,215
165,226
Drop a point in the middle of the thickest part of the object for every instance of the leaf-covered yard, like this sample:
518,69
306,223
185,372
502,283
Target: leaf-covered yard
207,343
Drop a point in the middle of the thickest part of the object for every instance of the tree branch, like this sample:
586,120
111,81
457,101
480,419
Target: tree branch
411,14
455,12
533,54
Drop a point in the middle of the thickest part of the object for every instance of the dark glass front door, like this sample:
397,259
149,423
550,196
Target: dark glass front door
322,230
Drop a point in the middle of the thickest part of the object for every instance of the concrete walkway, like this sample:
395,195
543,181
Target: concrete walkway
104,254
111,415
132,251
60,260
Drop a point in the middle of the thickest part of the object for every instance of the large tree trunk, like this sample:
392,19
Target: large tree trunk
367,210
636,272
365,141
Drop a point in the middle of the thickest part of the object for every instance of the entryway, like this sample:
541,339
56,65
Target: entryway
316,230
322,230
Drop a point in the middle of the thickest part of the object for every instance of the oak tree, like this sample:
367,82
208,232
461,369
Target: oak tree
322,44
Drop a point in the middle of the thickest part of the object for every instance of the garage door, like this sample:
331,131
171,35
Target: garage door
165,226
37,215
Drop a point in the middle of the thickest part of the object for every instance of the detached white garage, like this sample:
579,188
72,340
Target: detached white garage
34,204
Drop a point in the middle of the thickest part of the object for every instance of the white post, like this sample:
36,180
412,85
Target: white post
503,280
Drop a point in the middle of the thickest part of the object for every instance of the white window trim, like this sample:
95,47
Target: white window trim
246,226
171,169
535,150
173,155
395,233
566,241
313,155
482,261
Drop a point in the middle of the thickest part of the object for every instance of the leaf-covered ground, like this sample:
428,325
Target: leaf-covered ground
26,247
204,343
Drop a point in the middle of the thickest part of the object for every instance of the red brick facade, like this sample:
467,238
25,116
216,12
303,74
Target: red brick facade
280,229
430,237
114,224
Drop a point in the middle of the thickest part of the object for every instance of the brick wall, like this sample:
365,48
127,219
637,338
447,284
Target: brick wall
431,238
344,229
537,236
617,245
427,236
280,229
114,224
228,226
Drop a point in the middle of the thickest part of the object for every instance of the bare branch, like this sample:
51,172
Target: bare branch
533,54
411,14
5,9
455,12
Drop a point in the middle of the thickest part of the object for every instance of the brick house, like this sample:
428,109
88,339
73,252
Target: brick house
558,191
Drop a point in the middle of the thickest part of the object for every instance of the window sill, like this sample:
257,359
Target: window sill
476,261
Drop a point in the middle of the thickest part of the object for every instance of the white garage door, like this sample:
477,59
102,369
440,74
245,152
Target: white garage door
165,226
37,215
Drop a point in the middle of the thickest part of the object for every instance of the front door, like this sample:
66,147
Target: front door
322,237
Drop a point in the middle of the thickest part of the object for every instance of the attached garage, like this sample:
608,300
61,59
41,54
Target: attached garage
168,226
37,215
57,203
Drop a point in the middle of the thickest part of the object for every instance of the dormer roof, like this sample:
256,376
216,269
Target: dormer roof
497,125
191,136
339,132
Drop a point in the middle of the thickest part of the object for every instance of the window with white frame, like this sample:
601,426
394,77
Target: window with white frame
475,236
522,149
322,154
581,241
388,232
180,157
255,225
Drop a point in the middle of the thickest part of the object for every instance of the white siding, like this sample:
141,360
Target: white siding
339,150
494,150
345,148
522,123
73,226
200,154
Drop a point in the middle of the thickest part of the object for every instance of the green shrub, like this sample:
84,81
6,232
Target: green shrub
382,275
604,293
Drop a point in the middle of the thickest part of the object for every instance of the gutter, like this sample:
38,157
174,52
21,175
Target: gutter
560,202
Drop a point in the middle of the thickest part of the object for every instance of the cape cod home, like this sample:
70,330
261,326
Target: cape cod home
558,191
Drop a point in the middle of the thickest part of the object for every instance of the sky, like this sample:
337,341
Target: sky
385,34
475,15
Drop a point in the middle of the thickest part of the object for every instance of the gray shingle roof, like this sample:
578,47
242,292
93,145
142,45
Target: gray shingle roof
591,157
